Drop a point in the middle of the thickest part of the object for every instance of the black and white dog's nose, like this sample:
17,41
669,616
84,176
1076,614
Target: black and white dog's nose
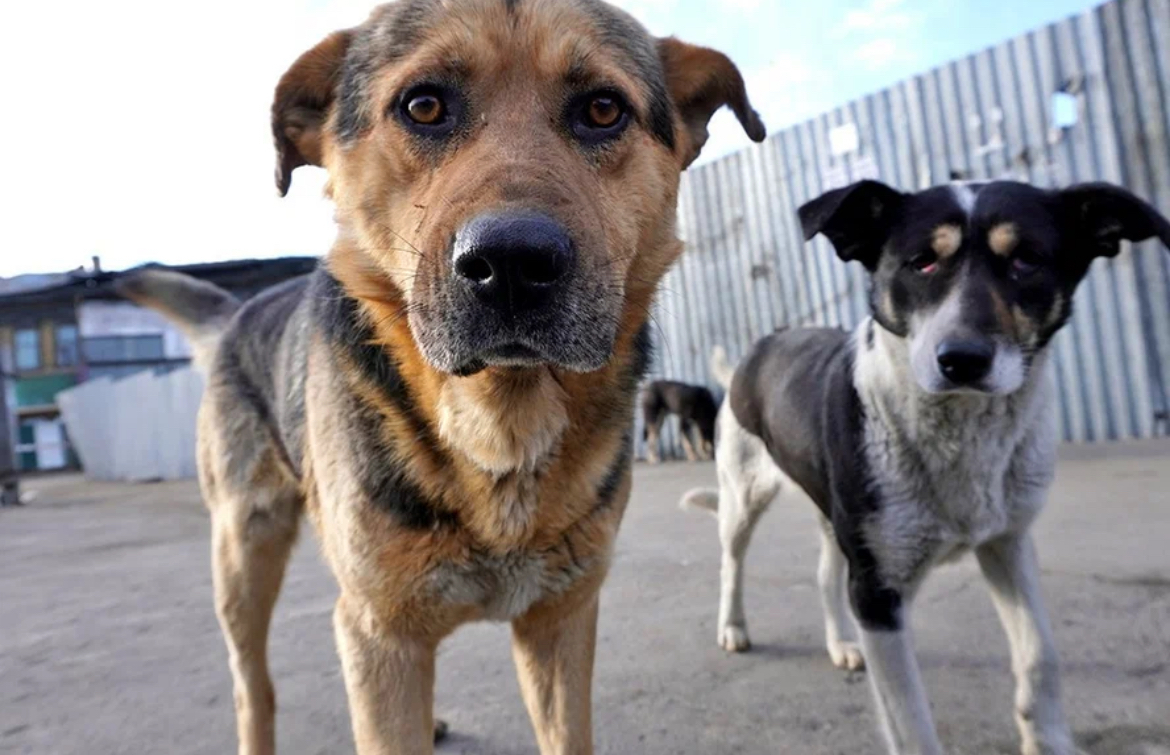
964,362
513,260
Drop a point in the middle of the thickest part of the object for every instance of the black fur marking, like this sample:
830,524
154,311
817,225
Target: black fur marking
642,356
795,392
617,472
390,35
381,472
383,478
344,327
869,335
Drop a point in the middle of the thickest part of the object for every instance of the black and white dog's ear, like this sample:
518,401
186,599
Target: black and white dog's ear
1101,215
856,219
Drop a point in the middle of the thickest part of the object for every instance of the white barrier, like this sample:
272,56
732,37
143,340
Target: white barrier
137,428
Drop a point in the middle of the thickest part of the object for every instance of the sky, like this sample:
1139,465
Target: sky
138,130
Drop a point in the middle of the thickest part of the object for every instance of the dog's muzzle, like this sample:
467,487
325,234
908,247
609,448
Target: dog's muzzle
517,294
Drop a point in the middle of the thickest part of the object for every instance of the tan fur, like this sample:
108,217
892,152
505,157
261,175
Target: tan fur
519,454
1003,239
946,240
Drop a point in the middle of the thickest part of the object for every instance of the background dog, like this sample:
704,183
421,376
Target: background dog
927,432
450,397
696,409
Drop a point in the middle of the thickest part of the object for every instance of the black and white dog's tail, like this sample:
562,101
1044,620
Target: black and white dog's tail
700,499
721,367
707,499
200,309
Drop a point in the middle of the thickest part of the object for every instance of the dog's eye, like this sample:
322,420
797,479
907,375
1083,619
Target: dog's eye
599,117
1024,264
426,109
604,112
925,263
429,110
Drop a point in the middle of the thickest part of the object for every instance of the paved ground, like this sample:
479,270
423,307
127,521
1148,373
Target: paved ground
108,643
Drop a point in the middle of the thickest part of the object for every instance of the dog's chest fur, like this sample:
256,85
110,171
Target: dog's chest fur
951,471
502,587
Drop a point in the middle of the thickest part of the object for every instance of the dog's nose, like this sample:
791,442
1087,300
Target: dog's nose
965,361
513,260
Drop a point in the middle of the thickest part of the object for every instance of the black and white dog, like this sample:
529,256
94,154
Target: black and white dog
927,432
696,409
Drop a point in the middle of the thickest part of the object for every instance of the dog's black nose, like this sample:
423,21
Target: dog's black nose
513,260
966,361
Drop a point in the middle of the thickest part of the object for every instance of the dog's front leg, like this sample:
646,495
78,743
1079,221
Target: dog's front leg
1010,567
553,651
390,680
881,612
898,689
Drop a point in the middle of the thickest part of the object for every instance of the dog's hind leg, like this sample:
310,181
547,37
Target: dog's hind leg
1009,565
686,433
653,428
251,542
748,482
840,629
741,504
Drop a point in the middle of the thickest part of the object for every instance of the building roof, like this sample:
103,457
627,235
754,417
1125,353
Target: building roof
244,277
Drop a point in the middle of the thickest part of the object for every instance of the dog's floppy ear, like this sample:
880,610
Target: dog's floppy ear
856,219
701,81
303,99
1101,215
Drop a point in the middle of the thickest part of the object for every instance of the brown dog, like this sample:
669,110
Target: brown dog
450,397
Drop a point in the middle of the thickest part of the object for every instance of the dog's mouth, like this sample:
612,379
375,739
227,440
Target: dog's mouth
512,354
462,339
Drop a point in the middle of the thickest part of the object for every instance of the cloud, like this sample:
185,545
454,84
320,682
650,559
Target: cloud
881,52
880,33
878,15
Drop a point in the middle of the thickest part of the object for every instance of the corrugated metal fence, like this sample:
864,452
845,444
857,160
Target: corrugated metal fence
136,428
1006,112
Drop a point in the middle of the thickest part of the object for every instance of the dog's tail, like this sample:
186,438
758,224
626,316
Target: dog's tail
721,368
200,309
700,499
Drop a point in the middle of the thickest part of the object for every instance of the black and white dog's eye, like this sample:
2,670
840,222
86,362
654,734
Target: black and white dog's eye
925,263
429,110
599,117
1024,264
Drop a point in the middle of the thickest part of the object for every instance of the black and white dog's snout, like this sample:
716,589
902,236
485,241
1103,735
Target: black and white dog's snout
966,361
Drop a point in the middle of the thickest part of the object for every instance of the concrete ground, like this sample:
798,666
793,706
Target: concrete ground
108,643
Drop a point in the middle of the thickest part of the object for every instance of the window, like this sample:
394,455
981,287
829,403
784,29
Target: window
1065,110
844,139
113,349
28,349
66,345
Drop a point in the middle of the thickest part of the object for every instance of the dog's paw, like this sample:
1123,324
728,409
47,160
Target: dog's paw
734,639
441,730
846,655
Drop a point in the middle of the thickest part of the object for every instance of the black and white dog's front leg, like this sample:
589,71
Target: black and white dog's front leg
893,670
1009,564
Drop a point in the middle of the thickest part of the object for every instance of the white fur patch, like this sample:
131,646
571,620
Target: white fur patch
953,469
965,196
